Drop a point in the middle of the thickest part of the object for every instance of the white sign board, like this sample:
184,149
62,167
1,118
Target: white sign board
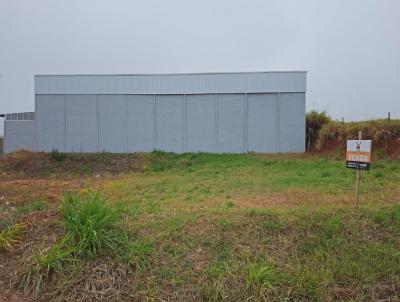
358,154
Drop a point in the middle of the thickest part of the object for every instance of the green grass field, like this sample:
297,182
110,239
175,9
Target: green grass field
201,227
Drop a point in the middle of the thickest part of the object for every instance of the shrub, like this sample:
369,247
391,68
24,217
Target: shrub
11,236
314,122
90,221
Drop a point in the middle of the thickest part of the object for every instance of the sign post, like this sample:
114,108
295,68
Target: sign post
358,156
358,179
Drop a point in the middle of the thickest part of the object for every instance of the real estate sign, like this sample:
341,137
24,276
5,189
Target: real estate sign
358,154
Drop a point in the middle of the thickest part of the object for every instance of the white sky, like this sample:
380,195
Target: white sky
350,48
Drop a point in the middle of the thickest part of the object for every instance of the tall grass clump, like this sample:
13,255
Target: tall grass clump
11,236
46,263
315,120
90,221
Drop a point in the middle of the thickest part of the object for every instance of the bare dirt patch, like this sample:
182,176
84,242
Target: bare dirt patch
25,190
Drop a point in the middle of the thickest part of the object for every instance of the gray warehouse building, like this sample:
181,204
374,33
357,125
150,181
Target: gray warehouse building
209,112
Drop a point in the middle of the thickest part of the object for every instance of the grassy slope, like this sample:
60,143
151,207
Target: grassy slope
237,227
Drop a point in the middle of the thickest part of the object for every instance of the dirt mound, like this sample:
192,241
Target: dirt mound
380,150
385,137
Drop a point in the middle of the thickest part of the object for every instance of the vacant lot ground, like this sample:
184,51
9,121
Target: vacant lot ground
198,227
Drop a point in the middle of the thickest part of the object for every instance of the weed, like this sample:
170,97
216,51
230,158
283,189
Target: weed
48,261
378,165
389,217
213,289
11,236
325,174
33,206
174,224
268,162
273,225
378,174
57,155
252,212
331,227
90,221
225,225
85,169
230,204
138,253
161,161
153,207
259,274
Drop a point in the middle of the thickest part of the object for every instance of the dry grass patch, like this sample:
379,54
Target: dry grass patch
101,280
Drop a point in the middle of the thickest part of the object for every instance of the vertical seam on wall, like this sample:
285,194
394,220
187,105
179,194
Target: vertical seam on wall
278,123
216,123
184,123
125,124
305,122
5,137
245,124
35,117
98,124
155,120
65,123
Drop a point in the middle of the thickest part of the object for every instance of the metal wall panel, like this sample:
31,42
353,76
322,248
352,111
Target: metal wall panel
50,123
231,123
112,123
255,111
169,121
140,132
262,122
292,122
18,135
250,82
82,123
201,128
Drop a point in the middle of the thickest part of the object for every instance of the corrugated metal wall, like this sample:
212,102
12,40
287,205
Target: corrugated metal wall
211,112
222,123
18,135
19,131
